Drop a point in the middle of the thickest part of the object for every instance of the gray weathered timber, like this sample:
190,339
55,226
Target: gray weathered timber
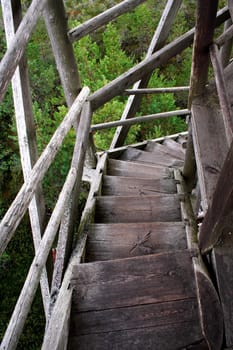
118,85
210,143
205,24
136,120
56,334
157,207
224,100
158,40
190,168
65,237
120,186
218,219
156,157
222,260
227,47
163,149
166,90
135,303
210,308
28,291
225,36
134,169
12,14
94,23
16,50
175,146
19,206
56,24
114,241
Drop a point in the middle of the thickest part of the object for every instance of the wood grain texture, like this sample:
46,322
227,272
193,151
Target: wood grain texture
133,281
175,146
154,146
222,257
156,157
137,208
137,303
121,186
112,241
134,169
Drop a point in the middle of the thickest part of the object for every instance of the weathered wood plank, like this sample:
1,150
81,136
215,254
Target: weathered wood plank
175,146
19,206
224,100
227,47
134,281
142,119
114,241
205,24
134,169
96,22
209,142
156,90
222,257
120,186
16,50
154,146
138,209
167,337
156,157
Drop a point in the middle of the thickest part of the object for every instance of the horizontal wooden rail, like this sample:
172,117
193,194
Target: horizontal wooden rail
28,291
19,206
118,85
137,120
222,92
103,18
156,90
17,47
224,37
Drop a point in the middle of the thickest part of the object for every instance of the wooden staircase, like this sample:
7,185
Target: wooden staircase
142,285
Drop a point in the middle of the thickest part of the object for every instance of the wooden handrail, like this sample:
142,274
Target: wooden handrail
19,206
137,120
225,36
28,291
103,18
16,50
165,90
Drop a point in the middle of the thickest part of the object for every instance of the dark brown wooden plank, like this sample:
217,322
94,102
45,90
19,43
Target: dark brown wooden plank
167,337
134,281
154,146
113,241
156,157
120,185
223,265
209,142
134,169
137,208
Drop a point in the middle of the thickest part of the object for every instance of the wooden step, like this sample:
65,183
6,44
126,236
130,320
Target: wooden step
137,208
175,146
120,186
138,303
135,169
114,241
155,157
154,146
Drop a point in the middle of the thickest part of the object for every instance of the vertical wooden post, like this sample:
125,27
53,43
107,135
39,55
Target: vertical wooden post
205,24
26,132
158,40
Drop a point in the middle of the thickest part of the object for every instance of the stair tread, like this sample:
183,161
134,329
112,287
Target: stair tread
120,185
154,146
155,157
175,146
159,207
112,241
135,169
137,303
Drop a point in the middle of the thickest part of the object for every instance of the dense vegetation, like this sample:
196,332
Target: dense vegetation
101,57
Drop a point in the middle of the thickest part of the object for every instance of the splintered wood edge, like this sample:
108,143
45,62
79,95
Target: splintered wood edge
210,311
